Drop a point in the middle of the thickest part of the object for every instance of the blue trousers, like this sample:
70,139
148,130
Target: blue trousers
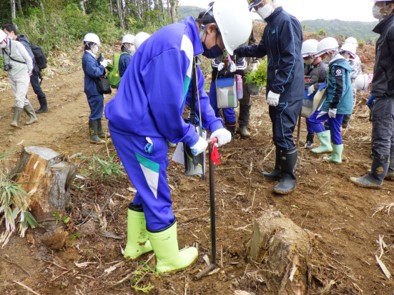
315,124
284,119
96,105
147,170
228,113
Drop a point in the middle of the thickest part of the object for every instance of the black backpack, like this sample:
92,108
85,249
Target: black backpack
39,56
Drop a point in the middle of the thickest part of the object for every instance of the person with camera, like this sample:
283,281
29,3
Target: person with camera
11,31
19,66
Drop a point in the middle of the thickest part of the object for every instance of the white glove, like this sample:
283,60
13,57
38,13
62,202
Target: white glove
332,113
223,136
105,62
220,66
232,67
199,147
273,98
311,89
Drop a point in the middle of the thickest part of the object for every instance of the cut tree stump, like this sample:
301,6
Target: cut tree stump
281,248
46,180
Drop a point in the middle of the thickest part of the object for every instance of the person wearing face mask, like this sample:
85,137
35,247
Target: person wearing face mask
128,51
146,113
338,102
315,73
93,69
19,66
348,51
382,110
281,42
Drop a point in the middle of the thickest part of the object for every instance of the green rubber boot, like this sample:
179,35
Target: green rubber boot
17,115
168,256
336,155
137,235
31,113
93,130
325,143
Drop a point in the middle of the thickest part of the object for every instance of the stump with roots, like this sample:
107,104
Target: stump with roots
282,248
46,179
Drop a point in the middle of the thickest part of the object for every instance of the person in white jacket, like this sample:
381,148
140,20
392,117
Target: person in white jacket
19,66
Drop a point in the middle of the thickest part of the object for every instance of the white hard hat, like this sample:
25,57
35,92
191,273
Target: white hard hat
91,37
350,48
352,40
128,38
362,81
326,44
140,38
309,47
234,22
2,35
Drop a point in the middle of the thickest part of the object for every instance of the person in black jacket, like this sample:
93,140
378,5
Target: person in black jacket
382,90
281,42
11,31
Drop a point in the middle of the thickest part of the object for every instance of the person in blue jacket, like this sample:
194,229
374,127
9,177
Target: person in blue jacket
338,102
93,69
128,51
146,113
281,42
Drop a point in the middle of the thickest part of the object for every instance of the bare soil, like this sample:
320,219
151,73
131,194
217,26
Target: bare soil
346,220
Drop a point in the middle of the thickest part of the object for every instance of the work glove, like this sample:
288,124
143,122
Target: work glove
199,147
332,113
273,98
232,67
371,101
105,62
311,89
223,136
220,66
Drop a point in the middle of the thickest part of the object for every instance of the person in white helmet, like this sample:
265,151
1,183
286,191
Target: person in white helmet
382,93
315,73
146,113
338,102
19,66
281,43
128,50
93,69
348,51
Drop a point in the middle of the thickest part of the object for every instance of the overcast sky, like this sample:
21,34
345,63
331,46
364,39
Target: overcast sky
348,10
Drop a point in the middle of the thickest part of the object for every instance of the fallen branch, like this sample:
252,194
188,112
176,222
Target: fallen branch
26,287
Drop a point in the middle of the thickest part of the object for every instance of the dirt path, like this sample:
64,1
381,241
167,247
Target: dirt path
325,203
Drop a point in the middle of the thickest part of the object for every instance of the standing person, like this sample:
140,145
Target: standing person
93,69
128,50
19,66
140,38
348,51
338,102
147,112
281,42
225,67
11,31
382,111
315,73
245,103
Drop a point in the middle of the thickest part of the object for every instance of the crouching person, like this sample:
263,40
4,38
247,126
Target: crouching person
146,112
19,66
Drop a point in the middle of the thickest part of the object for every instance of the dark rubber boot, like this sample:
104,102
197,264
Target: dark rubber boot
374,178
244,132
345,121
93,129
309,141
231,127
276,173
288,182
43,105
100,130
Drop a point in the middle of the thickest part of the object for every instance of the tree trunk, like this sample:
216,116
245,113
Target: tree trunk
82,5
13,9
46,180
20,7
120,13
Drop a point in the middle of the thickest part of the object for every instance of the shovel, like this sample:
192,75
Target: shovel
212,266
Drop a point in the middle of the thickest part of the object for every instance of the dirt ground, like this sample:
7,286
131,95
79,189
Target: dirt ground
346,220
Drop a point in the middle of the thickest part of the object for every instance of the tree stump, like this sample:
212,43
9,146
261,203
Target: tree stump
282,248
46,179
